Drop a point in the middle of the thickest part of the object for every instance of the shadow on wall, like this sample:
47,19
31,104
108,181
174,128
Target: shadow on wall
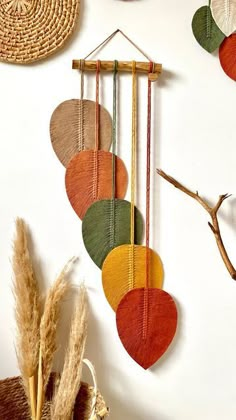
165,81
111,379
166,77
176,343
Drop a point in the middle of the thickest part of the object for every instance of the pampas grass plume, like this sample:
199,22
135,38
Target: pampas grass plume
48,330
65,396
27,311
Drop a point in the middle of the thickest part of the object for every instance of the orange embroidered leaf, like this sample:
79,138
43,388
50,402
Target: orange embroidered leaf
89,179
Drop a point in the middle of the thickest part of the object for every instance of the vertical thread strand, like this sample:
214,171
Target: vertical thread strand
80,145
133,152
97,133
148,164
146,291
114,143
133,173
114,132
97,113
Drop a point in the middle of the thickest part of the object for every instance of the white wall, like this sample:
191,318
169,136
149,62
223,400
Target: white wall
195,142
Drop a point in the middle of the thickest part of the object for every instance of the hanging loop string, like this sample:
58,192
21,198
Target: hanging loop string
109,38
80,144
102,43
114,132
134,45
133,152
148,164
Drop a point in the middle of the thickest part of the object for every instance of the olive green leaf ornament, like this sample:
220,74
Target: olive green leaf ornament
106,225
205,30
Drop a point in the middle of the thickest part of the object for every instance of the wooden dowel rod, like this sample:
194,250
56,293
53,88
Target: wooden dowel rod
126,66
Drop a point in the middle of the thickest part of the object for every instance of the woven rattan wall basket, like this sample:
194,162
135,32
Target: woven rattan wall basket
34,29
14,406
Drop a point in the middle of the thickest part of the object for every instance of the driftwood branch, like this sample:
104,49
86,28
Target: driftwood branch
212,211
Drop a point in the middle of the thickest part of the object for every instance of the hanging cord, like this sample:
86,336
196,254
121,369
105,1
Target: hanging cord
133,173
109,38
82,79
114,133
134,45
134,145
97,113
148,164
102,43
97,134
80,144
114,143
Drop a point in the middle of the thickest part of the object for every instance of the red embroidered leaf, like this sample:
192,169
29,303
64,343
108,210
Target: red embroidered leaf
227,55
146,322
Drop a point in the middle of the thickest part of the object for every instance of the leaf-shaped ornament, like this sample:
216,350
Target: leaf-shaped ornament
205,30
89,179
227,56
146,320
224,14
125,268
106,225
72,128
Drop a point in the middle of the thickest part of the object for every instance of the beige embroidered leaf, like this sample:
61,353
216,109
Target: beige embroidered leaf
224,14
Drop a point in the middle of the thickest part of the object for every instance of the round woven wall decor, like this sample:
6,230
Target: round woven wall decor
70,135
34,29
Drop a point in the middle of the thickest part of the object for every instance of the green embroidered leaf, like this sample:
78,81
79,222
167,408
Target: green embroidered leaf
106,225
205,30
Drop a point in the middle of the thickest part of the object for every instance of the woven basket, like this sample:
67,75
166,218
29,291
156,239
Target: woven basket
89,404
34,29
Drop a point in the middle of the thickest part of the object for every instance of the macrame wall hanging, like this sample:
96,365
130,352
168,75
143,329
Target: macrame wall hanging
213,27
112,228
106,224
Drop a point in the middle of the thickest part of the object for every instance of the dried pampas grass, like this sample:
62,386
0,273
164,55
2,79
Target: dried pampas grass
67,391
48,330
36,340
27,312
